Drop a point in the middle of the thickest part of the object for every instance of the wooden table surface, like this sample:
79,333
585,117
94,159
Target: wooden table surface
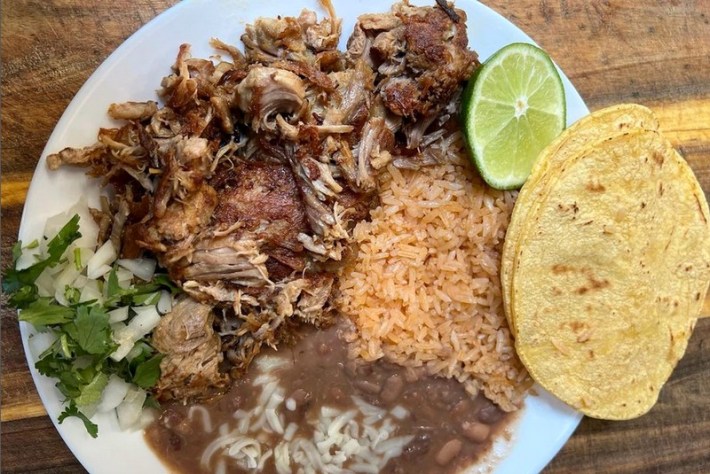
655,52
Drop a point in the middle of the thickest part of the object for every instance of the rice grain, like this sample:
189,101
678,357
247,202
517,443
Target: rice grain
423,287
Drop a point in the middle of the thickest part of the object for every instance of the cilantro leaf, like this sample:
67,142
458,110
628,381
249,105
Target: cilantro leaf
23,296
52,362
163,280
72,410
151,402
55,365
112,287
147,299
16,251
125,368
137,294
43,312
68,346
148,372
60,242
91,330
91,393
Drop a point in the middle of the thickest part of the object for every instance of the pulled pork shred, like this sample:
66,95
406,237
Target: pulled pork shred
246,182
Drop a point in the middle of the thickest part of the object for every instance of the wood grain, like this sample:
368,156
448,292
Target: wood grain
33,445
656,53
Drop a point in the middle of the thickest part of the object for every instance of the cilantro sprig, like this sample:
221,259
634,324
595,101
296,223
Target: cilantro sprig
79,358
72,410
20,284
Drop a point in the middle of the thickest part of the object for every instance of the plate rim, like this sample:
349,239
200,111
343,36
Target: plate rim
93,82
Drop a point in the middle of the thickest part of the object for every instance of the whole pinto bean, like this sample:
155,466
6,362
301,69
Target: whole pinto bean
476,432
490,414
448,452
392,388
367,386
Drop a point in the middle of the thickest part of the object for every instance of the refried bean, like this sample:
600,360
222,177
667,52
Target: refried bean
446,429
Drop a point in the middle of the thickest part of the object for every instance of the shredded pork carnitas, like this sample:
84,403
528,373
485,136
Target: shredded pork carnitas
247,182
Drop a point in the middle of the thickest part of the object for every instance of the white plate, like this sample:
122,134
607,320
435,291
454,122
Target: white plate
133,72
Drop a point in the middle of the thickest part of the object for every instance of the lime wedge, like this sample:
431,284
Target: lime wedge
513,106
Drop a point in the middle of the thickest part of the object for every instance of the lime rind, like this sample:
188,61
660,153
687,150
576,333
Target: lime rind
513,106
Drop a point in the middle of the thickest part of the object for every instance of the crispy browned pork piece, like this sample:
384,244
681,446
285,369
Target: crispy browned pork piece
247,182
421,57
302,41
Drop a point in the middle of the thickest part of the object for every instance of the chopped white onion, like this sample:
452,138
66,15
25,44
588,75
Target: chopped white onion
143,268
118,314
87,225
116,328
60,297
84,255
45,284
55,270
98,264
80,281
124,277
114,393
147,317
102,271
54,224
129,411
145,320
28,257
146,418
91,291
122,335
165,304
66,277
123,349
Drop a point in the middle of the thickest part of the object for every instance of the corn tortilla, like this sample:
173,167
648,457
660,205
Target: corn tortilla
610,275
584,133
